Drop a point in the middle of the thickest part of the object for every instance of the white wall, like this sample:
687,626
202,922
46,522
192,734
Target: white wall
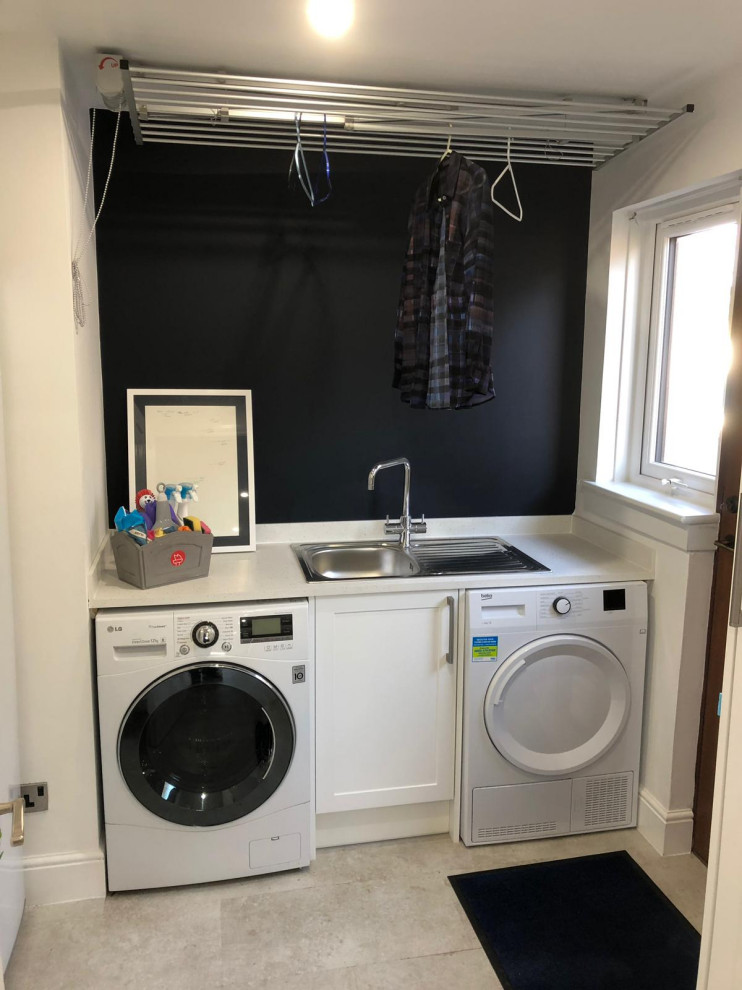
676,649
688,153
53,479
78,95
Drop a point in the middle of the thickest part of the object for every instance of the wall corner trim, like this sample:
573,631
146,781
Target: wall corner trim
669,831
60,877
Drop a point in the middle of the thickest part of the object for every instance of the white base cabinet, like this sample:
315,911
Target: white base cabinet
386,699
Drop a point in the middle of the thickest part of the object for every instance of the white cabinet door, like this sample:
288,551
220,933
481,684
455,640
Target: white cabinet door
386,699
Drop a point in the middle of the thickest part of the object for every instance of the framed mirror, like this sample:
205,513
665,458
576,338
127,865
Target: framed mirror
200,437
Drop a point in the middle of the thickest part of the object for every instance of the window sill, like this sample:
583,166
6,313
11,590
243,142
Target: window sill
676,521
670,507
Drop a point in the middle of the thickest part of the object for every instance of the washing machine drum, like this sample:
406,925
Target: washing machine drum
556,705
206,744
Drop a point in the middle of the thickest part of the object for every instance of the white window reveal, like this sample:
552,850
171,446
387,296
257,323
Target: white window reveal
689,352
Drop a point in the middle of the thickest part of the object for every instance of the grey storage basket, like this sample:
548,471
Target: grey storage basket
171,558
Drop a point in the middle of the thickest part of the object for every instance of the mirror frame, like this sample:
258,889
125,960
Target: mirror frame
137,401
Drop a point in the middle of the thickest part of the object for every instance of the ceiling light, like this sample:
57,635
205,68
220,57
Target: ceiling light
331,18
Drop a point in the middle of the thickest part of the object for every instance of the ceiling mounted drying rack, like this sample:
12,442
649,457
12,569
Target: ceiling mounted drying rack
173,106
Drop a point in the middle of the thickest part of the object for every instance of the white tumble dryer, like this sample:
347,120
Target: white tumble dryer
205,719
553,696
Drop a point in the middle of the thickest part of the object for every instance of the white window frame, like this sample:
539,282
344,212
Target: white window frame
647,229
664,231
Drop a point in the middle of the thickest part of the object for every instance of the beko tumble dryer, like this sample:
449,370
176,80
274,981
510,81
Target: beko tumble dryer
553,697
205,719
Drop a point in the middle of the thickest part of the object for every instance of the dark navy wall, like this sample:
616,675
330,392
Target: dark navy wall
212,274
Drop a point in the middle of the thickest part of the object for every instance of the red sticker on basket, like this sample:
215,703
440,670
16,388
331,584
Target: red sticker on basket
177,558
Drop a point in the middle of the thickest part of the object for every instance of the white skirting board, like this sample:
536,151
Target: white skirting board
669,831
63,877
346,828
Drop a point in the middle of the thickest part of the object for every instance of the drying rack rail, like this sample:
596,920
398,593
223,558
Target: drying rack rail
174,106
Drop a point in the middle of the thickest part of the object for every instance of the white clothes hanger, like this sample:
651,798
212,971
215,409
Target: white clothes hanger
508,168
448,146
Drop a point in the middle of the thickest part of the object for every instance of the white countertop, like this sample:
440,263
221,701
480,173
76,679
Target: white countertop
273,572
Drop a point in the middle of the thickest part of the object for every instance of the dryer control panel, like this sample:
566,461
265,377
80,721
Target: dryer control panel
557,607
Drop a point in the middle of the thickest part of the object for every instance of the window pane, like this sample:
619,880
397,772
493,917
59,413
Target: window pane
697,348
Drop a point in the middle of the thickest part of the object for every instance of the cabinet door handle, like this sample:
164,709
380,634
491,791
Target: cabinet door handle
451,623
16,809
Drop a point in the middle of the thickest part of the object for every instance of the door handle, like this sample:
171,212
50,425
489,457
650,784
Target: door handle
451,601
726,544
735,598
503,677
14,808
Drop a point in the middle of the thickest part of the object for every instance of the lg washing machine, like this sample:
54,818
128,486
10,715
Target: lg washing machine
205,717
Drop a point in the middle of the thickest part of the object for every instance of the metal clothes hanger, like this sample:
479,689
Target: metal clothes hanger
299,162
508,168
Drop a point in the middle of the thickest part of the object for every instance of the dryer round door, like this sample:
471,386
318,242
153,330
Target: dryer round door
557,704
206,744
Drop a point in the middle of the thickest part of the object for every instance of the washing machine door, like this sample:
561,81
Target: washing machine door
206,744
557,704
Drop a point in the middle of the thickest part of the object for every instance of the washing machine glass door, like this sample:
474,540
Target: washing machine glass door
206,744
557,704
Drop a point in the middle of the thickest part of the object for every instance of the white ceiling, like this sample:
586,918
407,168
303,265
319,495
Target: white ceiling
595,47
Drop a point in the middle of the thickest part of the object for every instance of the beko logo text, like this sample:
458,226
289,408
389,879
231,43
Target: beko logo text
114,629
485,598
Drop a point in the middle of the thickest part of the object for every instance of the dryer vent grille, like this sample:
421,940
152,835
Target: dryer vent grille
514,831
608,800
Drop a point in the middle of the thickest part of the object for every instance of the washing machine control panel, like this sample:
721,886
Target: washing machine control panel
244,631
239,632
562,605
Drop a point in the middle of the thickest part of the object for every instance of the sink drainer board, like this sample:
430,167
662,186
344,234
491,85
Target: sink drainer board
425,558
478,555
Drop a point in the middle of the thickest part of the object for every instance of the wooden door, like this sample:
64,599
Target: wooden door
720,965
386,700
730,463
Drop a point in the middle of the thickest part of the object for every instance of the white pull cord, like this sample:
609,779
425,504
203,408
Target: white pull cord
78,289
508,168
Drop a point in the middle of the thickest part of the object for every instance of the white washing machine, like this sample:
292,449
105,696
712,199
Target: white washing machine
553,696
206,741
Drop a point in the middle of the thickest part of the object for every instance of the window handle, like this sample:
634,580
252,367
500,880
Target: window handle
674,484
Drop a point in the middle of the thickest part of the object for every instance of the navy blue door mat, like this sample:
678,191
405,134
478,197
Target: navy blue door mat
591,923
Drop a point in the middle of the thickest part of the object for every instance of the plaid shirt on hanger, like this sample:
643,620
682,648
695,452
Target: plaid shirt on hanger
443,339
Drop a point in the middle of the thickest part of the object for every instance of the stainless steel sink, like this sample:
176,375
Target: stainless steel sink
343,561
425,558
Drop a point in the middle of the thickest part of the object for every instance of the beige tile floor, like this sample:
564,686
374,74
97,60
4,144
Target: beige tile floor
380,916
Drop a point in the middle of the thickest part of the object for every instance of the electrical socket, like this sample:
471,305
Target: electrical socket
35,796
